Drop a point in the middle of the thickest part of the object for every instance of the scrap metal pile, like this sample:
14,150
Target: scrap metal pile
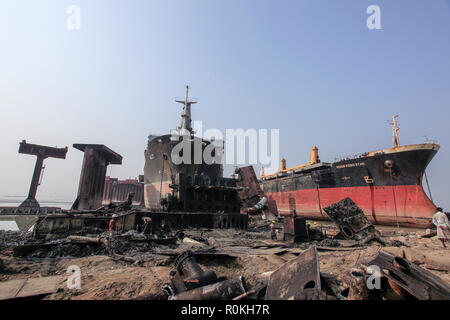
386,278
383,277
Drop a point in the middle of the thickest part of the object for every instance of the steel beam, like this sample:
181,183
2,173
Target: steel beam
96,159
41,153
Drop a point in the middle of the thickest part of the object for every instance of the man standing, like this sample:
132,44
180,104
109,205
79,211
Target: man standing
147,226
442,224
273,234
112,225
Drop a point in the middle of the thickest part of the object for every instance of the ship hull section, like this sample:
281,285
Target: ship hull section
411,207
386,185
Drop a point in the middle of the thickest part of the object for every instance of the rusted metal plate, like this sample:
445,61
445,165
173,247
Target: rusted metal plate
415,280
252,192
116,190
351,221
96,159
44,151
248,180
295,229
105,152
58,226
296,279
23,288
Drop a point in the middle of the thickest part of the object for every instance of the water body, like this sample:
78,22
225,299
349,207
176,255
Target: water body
26,222
14,201
17,223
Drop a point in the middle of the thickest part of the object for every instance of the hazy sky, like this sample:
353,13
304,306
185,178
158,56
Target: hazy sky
310,68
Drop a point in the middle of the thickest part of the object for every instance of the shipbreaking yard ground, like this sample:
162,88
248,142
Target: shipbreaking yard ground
156,254
230,253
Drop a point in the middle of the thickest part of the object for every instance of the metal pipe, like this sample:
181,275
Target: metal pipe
224,290
187,265
194,276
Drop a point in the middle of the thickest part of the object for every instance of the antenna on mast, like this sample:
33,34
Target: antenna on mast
185,127
395,128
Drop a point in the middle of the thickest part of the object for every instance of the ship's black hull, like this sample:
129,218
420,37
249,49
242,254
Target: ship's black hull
386,184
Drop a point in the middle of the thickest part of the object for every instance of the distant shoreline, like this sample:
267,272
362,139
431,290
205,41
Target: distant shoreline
14,201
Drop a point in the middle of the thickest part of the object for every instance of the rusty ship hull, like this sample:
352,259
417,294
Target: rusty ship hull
116,191
385,184
160,171
179,181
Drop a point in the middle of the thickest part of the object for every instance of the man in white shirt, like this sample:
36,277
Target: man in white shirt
440,220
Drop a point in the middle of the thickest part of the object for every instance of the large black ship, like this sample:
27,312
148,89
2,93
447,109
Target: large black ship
386,184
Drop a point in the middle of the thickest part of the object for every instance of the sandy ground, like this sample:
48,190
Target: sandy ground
104,278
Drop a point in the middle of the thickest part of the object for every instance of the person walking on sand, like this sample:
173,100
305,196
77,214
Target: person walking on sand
442,224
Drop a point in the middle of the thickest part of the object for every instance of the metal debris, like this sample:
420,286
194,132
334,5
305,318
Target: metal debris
352,222
297,279
112,208
224,290
193,275
408,280
190,282
356,280
252,197
117,190
295,229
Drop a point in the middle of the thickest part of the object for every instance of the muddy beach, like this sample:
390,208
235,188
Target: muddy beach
232,253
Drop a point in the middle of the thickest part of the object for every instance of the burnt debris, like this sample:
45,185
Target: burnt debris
296,279
404,280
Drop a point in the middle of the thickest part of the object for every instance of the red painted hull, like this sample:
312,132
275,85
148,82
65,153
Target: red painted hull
406,205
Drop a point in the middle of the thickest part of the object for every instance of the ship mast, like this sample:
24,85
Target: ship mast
395,128
185,127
